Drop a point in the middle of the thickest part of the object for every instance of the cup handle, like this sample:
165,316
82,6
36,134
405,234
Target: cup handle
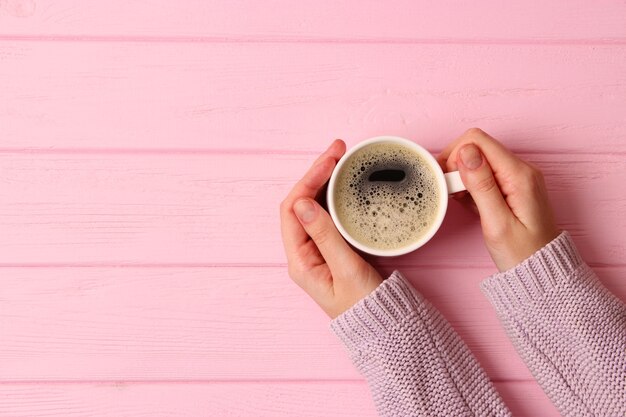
454,182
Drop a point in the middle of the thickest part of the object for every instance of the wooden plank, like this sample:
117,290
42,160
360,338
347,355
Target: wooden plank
263,399
120,324
296,97
404,20
221,209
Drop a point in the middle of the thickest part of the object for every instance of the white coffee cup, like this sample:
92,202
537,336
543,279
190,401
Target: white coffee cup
448,183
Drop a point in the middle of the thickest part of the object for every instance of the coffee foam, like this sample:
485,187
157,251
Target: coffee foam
381,214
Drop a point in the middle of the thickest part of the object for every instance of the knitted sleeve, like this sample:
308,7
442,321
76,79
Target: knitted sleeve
567,327
415,364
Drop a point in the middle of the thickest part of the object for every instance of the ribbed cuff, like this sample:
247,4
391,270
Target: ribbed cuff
528,281
372,317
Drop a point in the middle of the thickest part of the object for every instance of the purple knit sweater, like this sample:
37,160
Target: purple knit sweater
567,327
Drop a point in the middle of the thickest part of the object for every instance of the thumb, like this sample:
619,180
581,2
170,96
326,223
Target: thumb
319,225
478,177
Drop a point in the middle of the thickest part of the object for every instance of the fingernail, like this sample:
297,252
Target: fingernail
471,156
305,210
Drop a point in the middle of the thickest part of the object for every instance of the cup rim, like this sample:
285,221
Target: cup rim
443,196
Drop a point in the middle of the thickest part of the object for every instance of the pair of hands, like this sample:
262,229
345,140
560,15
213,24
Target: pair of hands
509,195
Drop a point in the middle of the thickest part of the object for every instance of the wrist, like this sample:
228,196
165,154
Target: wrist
373,317
529,280
519,248
348,291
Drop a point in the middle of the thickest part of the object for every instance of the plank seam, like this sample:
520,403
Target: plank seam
172,265
244,151
312,40
205,381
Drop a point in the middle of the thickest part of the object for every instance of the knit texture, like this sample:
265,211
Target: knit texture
567,327
415,363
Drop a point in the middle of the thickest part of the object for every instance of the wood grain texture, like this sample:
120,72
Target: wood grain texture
402,20
267,399
294,97
177,324
215,209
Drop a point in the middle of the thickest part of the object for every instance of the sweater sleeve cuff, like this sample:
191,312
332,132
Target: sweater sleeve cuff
538,274
371,318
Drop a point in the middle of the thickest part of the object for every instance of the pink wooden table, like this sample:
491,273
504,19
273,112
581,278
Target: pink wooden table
145,146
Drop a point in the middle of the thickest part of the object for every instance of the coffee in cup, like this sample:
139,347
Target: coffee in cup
388,196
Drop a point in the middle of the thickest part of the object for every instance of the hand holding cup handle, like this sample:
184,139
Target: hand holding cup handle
509,194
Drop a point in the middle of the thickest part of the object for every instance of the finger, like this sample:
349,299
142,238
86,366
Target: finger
310,184
442,163
499,157
293,233
320,227
481,184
